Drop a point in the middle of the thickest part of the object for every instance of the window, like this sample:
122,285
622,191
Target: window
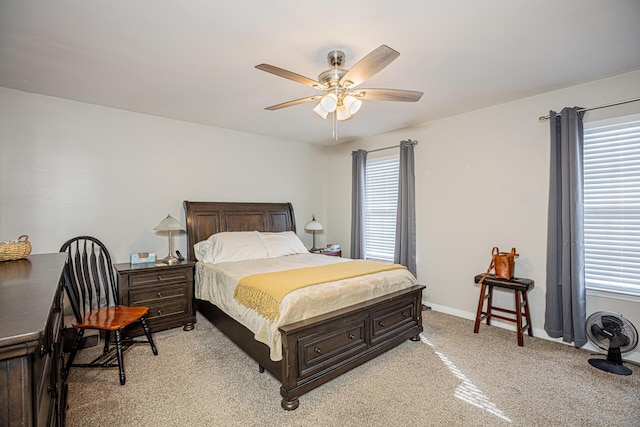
612,206
381,203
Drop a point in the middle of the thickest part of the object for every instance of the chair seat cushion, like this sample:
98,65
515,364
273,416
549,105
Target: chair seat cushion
112,318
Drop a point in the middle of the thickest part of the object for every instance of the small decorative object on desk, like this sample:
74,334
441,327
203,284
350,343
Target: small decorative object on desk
15,249
503,263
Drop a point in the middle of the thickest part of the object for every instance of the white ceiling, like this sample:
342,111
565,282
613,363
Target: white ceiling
194,60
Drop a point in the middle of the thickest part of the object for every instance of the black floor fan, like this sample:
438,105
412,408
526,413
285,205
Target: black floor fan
614,333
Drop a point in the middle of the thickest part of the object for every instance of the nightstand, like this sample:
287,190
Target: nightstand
166,289
329,252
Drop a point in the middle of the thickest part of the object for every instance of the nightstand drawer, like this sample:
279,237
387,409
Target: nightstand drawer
161,277
163,313
328,252
150,296
166,308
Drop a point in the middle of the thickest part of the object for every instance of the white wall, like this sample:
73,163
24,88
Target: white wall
482,181
69,168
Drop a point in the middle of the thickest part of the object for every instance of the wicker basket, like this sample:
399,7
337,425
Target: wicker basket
15,250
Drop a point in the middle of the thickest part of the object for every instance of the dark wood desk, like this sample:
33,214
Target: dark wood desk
32,391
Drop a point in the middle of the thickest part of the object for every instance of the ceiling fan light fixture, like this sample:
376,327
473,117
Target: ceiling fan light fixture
320,111
329,102
352,104
342,113
341,93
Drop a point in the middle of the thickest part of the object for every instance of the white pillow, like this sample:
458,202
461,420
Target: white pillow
203,251
231,246
282,244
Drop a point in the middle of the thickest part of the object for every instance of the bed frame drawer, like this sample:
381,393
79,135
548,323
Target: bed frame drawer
321,348
392,320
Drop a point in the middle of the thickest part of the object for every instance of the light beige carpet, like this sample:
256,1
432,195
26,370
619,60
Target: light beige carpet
452,378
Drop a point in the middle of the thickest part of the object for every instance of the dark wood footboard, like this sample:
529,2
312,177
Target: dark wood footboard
323,347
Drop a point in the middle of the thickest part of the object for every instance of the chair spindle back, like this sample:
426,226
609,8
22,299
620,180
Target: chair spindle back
88,275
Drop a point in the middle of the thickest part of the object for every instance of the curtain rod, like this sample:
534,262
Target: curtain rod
414,143
545,118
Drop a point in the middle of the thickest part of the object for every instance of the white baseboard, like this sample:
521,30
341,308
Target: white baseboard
540,333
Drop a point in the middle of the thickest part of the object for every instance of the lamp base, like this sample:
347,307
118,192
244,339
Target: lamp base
170,260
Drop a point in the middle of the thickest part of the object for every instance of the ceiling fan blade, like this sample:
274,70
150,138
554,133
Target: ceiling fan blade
371,64
281,72
389,94
294,102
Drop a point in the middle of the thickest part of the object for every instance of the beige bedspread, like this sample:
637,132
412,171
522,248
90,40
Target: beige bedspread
216,283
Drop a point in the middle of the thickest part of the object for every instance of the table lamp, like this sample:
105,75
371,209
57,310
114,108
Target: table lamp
169,224
313,226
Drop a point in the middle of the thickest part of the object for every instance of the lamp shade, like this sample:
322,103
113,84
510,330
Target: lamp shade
352,104
313,225
169,224
329,102
342,113
320,111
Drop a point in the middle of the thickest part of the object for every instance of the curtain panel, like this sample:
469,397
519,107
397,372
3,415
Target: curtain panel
359,164
405,250
566,295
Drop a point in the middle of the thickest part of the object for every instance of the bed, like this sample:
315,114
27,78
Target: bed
316,349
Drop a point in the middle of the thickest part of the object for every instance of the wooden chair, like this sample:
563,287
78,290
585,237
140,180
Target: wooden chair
520,287
94,298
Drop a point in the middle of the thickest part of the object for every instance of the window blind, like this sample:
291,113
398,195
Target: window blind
381,204
612,207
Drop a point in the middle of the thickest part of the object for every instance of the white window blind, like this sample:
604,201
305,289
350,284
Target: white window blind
612,207
381,201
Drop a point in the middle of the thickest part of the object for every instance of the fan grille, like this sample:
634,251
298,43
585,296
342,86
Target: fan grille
595,324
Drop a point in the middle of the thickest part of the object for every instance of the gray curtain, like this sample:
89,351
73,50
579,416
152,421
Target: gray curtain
565,297
405,252
359,164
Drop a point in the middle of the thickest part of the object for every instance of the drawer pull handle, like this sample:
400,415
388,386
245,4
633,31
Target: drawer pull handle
53,392
44,350
159,276
160,294
318,350
351,336
381,323
405,314
159,312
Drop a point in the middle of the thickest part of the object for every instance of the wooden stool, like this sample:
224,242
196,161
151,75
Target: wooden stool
520,288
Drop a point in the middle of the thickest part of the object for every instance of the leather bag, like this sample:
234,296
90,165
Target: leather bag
503,263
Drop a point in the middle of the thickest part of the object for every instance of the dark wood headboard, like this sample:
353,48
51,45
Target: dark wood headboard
207,218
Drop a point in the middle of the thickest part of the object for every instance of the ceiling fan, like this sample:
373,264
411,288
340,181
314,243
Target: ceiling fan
342,95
